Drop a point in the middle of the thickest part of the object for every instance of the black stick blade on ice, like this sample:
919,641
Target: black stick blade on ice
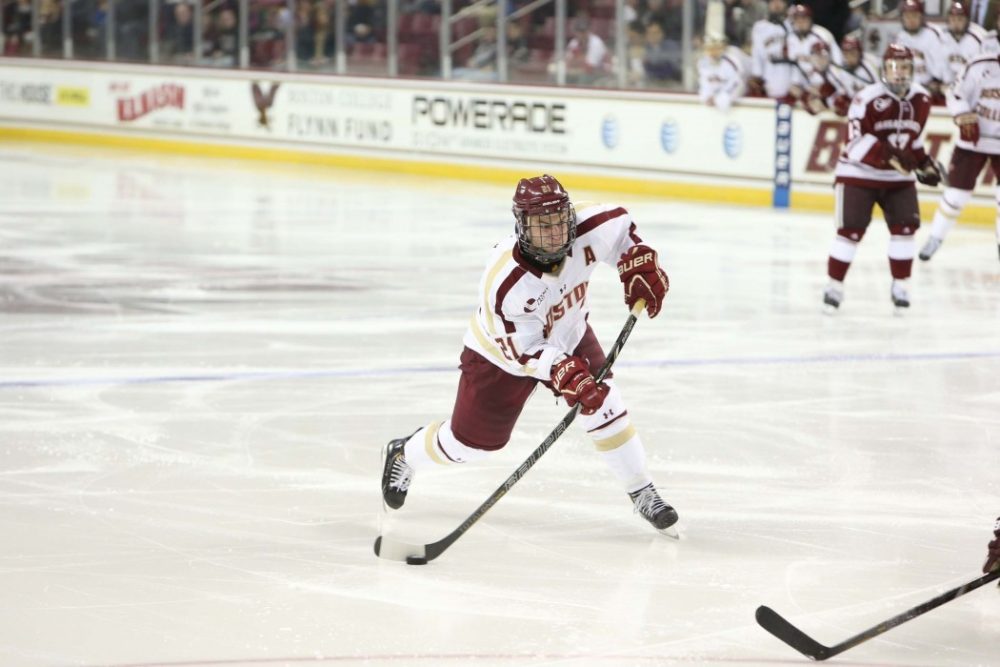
773,622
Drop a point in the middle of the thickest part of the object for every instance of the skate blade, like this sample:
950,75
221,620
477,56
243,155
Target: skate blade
830,310
670,531
900,311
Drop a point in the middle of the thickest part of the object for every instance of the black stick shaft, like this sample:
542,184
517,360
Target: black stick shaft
435,549
910,614
774,623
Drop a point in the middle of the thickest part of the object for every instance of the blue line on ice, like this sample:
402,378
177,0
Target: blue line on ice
229,376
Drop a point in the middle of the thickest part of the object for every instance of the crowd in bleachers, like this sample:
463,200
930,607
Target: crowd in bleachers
654,34
758,49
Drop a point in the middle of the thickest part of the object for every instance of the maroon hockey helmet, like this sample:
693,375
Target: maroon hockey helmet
850,43
544,219
897,69
820,48
959,8
800,11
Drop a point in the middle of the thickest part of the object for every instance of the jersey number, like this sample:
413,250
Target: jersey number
507,347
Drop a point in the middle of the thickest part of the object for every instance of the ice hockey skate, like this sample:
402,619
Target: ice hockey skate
396,474
931,247
900,295
833,295
655,510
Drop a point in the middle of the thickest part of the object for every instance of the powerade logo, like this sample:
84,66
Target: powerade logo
669,135
490,114
609,131
732,140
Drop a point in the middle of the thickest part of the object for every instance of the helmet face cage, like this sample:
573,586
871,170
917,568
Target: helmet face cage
897,74
546,237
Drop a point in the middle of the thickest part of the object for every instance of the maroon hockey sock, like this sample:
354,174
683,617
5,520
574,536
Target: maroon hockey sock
837,269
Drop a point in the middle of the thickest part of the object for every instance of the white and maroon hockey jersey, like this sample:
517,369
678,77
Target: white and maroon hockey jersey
799,48
528,319
977,90
876,122
928,52
850,81
956,53
769,57
722,81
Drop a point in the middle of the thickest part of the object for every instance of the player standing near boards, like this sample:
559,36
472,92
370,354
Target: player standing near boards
877,166
530,327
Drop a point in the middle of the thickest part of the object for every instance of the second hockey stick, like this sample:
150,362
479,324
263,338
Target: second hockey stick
774,623
418,554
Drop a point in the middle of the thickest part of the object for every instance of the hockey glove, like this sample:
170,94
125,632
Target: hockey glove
968,127
841,103
930,172
643,278
573,380
993,555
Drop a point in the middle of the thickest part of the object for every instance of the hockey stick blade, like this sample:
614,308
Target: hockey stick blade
771,621
401,551
801,642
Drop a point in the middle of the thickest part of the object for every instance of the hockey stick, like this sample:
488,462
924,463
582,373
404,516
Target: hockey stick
771,621
418,554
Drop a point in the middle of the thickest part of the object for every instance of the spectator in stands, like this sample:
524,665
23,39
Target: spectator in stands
325,38
17,28
132,30
518,50
222,43
482,64
588,59
305,31
178,37
365,20
740,17
662,57
635,51
50,27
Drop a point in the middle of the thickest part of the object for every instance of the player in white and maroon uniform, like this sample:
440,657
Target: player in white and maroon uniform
802,43
974,103
924,41
530,327
857,72
883,147
962,42
770,71
721,74
815,90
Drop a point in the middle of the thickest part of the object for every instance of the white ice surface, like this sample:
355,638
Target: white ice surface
200,361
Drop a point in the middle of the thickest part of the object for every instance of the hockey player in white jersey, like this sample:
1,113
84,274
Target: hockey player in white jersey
770,70
812,85
721,73
804,36
531,327
924,41
974,103
961,42
858,70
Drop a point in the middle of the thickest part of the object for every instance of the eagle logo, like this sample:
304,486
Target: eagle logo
263,102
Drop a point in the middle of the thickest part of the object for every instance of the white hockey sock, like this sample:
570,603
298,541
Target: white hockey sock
843,249
952,202
902,247
617,441
435,444
628,463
